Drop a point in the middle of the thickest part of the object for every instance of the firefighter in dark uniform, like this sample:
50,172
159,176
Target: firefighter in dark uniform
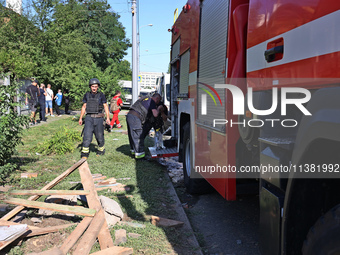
94,104
139,112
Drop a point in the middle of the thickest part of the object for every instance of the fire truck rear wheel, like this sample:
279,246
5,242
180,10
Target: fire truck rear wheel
323,237
193,185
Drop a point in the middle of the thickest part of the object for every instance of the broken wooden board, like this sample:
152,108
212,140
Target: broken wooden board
75,235
104,236
54,207
118,187
46,230
6,223
29,175
162,222
90,236
49,192
50,185
114,250
99,178
53,251
107,182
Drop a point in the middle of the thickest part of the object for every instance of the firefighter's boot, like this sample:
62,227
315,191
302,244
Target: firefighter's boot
85,152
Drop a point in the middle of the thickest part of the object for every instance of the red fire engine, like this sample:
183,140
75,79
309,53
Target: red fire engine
282,60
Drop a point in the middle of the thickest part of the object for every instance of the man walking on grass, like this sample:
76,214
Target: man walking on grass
94,104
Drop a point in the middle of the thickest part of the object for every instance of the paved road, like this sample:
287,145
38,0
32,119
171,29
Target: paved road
223,227
226,227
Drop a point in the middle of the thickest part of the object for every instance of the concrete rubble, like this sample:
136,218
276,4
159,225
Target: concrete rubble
175,169
112,210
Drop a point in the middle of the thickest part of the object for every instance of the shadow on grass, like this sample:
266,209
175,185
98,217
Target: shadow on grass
19,161
15,164
153,187
125,149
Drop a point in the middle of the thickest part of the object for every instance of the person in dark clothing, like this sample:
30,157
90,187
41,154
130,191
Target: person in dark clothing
42,102
139,113
156,122
66,100
32,93
94,104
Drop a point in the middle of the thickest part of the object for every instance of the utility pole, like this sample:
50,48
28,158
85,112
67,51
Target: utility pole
134,53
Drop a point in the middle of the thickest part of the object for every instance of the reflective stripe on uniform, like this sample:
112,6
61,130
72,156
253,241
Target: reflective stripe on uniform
86,149
140,155
101,148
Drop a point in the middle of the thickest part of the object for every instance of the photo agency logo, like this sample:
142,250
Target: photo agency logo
239,105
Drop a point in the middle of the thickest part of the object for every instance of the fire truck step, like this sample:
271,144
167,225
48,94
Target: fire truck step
163,153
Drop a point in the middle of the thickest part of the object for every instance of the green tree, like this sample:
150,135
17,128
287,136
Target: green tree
104,33
18,47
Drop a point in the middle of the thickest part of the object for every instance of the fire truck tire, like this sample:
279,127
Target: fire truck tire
323,237
193,185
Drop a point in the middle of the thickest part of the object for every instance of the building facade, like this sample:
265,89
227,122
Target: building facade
147,80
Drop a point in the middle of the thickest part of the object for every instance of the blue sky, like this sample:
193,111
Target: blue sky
154,41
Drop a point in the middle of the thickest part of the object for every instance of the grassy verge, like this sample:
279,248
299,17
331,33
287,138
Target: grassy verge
148,188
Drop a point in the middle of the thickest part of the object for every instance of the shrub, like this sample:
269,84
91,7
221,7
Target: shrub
11,127
61,142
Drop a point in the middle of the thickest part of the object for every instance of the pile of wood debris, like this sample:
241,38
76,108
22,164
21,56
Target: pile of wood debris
92,227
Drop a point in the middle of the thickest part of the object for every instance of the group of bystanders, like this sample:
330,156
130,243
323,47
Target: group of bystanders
42,98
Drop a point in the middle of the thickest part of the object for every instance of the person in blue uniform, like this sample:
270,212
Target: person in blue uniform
94,105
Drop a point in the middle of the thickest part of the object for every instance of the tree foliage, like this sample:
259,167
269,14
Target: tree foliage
65,43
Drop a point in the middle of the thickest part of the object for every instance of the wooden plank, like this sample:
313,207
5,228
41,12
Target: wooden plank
99,178
53,251
75,235
107,181
7,223
114,250
54,207
29,175
162,222
104,236
46,230
117,187
90,236
50,185
49,192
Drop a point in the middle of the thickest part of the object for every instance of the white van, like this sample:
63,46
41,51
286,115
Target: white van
163,84
126,93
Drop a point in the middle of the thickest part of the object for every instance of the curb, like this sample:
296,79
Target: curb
182,216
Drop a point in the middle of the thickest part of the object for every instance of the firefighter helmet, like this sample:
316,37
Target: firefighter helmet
94,81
